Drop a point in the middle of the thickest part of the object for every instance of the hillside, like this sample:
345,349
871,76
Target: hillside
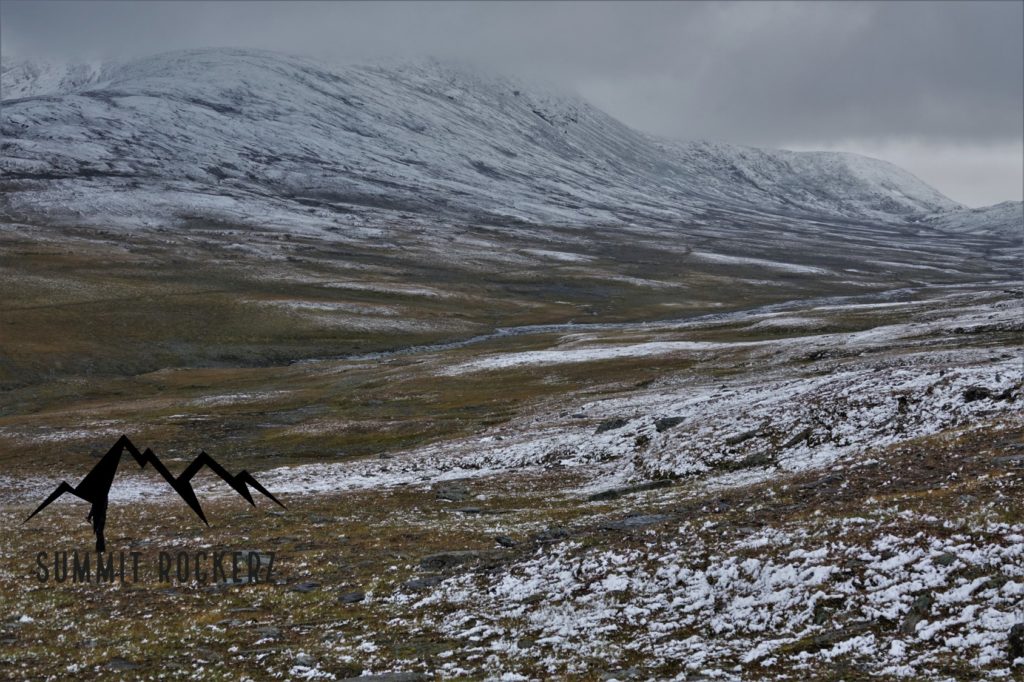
229,133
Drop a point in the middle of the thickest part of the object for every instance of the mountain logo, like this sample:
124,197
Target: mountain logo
95,487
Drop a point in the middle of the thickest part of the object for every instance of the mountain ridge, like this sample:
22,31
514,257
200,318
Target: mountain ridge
233,126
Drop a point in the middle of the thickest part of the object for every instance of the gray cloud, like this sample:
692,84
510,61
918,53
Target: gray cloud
926,81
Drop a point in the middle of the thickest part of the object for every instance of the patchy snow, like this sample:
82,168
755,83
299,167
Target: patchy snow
758,262
733,431
694,601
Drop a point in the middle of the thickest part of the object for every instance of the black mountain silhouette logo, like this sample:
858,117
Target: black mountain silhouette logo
95,487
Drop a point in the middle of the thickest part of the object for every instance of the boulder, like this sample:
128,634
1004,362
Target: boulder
611,425
1015,644
446,560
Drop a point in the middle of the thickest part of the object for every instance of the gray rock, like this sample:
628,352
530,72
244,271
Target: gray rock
424,583
666,423
973,393
304,587
611,425
757,459
390,677
445,560
827,639
742,437
614,493
919,610
268,631
505,541
119,664
634,522
452,492
825,608
799,437
1015,644
551,535
945,559
228,623
353,597
305,659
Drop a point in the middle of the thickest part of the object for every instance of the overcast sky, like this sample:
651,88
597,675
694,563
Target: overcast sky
937,88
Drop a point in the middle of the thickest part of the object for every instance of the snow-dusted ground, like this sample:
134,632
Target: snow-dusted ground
688,600
779,422
853,392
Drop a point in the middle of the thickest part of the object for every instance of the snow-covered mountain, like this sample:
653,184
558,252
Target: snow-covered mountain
1006,218
251,137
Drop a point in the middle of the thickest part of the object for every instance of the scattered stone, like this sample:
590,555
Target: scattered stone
827,639
996,582
505,541
1015,644
552,535
452,492
742,437
824,609
304,587
470,510
757,459
634,522
268,631
945,559
614,493
119,664
1009,460
919,610
305,660
666,423
424,583
611,425
390,677
821,482
353,597
973,393
445,560
799,437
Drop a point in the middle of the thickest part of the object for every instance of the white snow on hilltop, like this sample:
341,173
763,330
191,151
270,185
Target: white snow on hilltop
255,137
1006,219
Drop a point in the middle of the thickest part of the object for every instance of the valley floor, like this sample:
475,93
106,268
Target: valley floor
824,490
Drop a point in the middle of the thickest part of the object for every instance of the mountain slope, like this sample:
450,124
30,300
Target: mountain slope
225,133
1005,219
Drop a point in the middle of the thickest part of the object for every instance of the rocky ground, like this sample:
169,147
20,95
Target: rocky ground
824,490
